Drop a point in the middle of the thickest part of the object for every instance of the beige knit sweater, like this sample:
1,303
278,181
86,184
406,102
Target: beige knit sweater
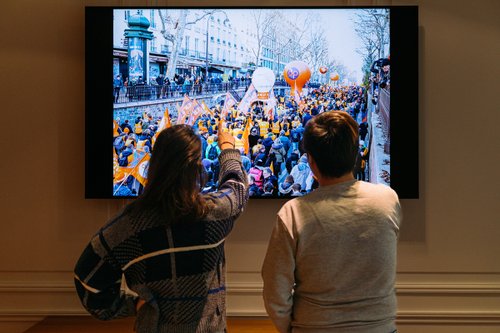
331,261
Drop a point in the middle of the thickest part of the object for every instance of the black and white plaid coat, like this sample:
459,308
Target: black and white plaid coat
177,268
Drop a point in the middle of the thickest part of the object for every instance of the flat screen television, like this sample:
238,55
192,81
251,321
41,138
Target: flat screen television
258,73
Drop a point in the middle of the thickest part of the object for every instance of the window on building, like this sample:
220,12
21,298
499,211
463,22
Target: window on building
196,44
153,45
187,43
152,18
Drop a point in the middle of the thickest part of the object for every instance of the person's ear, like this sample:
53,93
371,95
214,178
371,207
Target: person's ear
313,166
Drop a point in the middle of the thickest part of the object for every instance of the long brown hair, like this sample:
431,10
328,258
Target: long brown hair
174,176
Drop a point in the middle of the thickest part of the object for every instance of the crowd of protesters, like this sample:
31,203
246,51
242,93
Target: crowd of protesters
275,161
162,87
380,77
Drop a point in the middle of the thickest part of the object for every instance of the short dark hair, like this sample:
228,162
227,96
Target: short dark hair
331,138
268,187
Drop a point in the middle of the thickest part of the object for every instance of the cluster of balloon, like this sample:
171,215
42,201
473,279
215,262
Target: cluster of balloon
297,73
323,70
263,80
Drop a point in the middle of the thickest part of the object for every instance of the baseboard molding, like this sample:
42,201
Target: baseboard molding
423,299
443,318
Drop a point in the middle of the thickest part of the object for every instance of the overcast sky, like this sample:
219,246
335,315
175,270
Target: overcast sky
339,31
337,24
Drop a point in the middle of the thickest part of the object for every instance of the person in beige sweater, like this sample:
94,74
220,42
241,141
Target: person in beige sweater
331,260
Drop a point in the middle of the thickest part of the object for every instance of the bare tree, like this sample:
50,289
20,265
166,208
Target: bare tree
298,34
338,67
265,23
315,53
173,31
372,27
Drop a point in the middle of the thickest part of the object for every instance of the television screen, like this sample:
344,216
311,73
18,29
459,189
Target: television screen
258,73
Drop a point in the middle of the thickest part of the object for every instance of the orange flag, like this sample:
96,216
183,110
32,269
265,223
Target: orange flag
115,128
137,169
196,111
140,171
228,104
247,100
164,123
246,132
207,109
184,110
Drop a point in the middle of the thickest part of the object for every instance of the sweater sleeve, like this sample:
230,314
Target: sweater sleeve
98,281
230,199
279,278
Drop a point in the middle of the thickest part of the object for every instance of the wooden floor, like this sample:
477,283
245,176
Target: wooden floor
87,324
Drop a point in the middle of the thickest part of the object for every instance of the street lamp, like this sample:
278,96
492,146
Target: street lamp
206,46
206,51
279,53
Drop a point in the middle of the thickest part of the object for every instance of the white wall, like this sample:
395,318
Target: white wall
448,269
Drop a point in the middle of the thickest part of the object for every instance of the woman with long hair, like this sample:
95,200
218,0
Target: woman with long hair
162,258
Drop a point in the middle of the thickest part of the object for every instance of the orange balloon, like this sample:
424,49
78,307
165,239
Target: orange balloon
297,73
323,69
334,76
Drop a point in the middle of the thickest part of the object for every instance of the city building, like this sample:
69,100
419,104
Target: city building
210,42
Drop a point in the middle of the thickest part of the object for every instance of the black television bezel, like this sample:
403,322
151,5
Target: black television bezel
99,101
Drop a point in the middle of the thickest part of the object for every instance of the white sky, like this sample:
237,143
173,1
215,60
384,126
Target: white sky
337,24
339,32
